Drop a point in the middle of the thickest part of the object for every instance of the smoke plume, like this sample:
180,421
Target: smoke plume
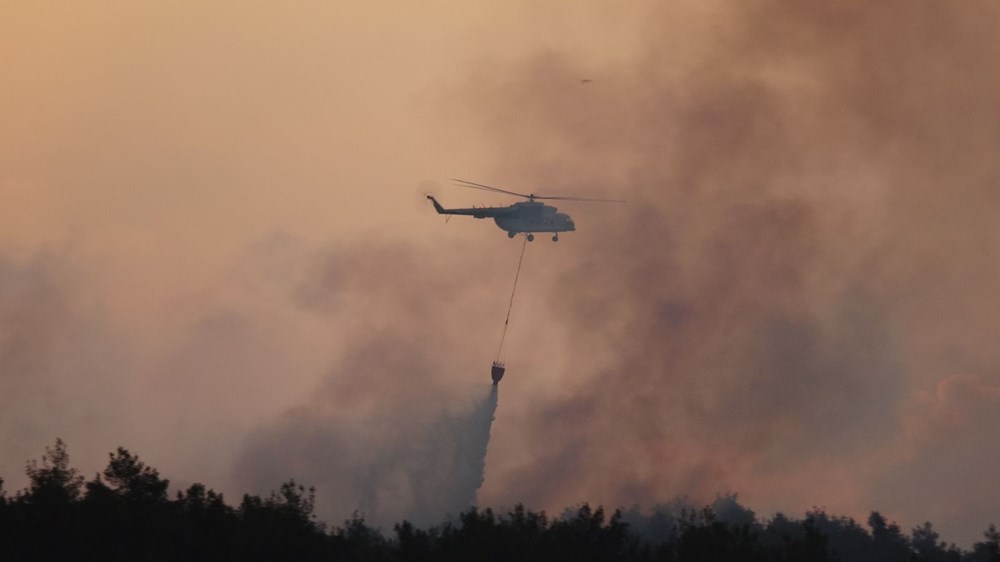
388,467
395,431
809,245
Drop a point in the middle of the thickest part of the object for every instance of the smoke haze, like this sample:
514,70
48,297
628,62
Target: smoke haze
388,466
808,250
209,253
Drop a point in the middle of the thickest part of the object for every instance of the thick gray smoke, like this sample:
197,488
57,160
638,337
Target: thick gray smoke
809,249
388,467
396,431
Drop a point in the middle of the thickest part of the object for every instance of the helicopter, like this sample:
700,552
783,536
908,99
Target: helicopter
523,217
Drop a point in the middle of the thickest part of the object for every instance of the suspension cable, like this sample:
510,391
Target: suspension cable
510,305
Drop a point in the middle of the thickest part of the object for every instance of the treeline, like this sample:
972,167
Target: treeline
125,513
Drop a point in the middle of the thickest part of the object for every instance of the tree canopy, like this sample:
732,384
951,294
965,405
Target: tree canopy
126,513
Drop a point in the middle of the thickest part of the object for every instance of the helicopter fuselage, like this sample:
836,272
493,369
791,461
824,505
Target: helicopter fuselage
523,217
532,216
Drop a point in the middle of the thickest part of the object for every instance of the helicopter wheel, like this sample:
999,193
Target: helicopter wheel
511,234
555,238
531,237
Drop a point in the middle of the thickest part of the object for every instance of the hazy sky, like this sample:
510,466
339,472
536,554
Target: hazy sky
214,249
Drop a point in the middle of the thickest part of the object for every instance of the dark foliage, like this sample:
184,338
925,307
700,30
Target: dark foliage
125,513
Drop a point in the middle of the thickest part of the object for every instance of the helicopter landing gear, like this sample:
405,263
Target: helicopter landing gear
511,234
555,237
531,237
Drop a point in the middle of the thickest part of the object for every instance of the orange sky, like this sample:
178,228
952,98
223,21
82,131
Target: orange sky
211,216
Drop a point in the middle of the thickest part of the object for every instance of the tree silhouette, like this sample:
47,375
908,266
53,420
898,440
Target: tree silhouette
988,550
703,537
53,481
130,479
926,543
126,514
888,542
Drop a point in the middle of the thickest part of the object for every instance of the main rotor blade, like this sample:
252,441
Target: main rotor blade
583,199
474,185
